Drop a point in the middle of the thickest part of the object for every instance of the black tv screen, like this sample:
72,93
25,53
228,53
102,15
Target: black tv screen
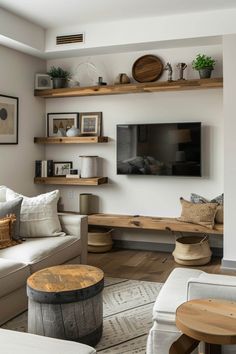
167,149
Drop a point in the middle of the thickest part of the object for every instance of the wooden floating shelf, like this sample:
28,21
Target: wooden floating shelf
71,140
71,181
150,223
180,85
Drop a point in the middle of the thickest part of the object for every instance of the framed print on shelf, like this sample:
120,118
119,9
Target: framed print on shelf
43,82
61,122
90,123
62,168
8,119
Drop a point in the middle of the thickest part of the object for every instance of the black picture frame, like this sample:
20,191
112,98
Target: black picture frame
9,107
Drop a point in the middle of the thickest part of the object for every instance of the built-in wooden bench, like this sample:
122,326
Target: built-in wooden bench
150,223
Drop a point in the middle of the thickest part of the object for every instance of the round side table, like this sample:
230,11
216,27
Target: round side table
209,320
66,302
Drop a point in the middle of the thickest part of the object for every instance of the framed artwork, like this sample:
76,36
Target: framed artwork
61,122
90,123
43,82
8,119
62,168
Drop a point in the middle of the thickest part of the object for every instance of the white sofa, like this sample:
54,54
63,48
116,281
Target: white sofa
182,285
18,262
24,343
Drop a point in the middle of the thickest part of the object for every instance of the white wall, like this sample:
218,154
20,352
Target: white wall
17,72
147,195
229,49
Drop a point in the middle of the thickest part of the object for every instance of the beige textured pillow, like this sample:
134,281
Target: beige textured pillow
219,219
202,214
6,231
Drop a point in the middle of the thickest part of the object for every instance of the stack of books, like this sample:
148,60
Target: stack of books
44,168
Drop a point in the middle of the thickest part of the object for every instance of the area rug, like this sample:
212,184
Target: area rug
127,313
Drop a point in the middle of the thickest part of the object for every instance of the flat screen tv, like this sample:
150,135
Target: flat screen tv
166,149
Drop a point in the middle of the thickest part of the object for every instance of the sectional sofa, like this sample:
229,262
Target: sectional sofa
46,239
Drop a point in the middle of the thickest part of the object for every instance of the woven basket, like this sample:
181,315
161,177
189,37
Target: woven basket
99,240
192,250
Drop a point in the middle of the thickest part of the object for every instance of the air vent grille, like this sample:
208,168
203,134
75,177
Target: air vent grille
71,38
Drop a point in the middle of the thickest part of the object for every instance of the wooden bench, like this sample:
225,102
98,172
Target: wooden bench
150,223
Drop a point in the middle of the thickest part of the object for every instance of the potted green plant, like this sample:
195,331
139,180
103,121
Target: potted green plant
204,65
59,77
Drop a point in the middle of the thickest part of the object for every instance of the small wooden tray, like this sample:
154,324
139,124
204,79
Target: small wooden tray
147,68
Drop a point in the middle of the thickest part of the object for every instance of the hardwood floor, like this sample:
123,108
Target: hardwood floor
143,265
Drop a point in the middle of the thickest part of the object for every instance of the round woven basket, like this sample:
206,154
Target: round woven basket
99,240
192,250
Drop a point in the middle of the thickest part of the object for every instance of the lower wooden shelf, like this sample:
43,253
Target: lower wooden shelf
151,223
71,181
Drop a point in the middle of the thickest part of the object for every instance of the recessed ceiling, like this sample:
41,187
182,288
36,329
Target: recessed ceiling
59,13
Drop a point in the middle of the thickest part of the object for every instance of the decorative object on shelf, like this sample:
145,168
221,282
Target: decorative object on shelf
90,123
204,64
43,82
62,168
147,68
59,77
85,200
101,82
88,166
73,131
170,71
43,168
58,121
8,119
122,78
181,67
86,74
61,132
73,171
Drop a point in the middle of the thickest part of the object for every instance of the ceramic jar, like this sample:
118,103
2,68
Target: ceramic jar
73,131
89,166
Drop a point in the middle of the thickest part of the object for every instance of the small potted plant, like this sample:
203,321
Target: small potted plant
59,77
204,65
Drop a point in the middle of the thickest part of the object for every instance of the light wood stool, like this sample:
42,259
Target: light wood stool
208,320
66,302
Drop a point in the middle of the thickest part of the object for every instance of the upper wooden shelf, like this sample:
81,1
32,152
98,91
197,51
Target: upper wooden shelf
180,85
71,181
71,140
151,223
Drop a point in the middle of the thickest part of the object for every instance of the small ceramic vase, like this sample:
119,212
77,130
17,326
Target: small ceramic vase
61,132
73,131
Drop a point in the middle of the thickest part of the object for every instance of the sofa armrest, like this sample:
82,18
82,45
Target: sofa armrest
212,286
76,225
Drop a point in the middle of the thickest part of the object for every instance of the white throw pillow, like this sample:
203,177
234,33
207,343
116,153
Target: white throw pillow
38,216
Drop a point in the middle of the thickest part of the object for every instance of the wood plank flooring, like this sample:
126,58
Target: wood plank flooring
143,265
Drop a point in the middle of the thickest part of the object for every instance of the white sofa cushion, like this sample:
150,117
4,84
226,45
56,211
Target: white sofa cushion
25,343
173,294
212,285
38,216
13,275
50,250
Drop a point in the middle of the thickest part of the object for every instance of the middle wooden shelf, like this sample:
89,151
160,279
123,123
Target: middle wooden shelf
71,181
71,140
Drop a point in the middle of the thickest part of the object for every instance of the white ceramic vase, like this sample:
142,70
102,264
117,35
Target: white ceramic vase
73,131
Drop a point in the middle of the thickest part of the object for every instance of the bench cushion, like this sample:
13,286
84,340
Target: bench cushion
25,343
173,294
13,275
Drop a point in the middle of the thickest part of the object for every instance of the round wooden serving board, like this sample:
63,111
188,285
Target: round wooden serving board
147,68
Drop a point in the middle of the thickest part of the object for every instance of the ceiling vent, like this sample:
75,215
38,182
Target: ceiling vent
70,38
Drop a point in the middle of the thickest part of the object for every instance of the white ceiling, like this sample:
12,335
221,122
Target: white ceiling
59,13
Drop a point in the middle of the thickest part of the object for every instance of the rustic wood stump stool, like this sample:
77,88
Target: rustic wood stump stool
66,302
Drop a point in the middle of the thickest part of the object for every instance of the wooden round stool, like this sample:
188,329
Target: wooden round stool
66,302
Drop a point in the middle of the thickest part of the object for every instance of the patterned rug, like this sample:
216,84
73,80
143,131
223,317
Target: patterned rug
127,313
